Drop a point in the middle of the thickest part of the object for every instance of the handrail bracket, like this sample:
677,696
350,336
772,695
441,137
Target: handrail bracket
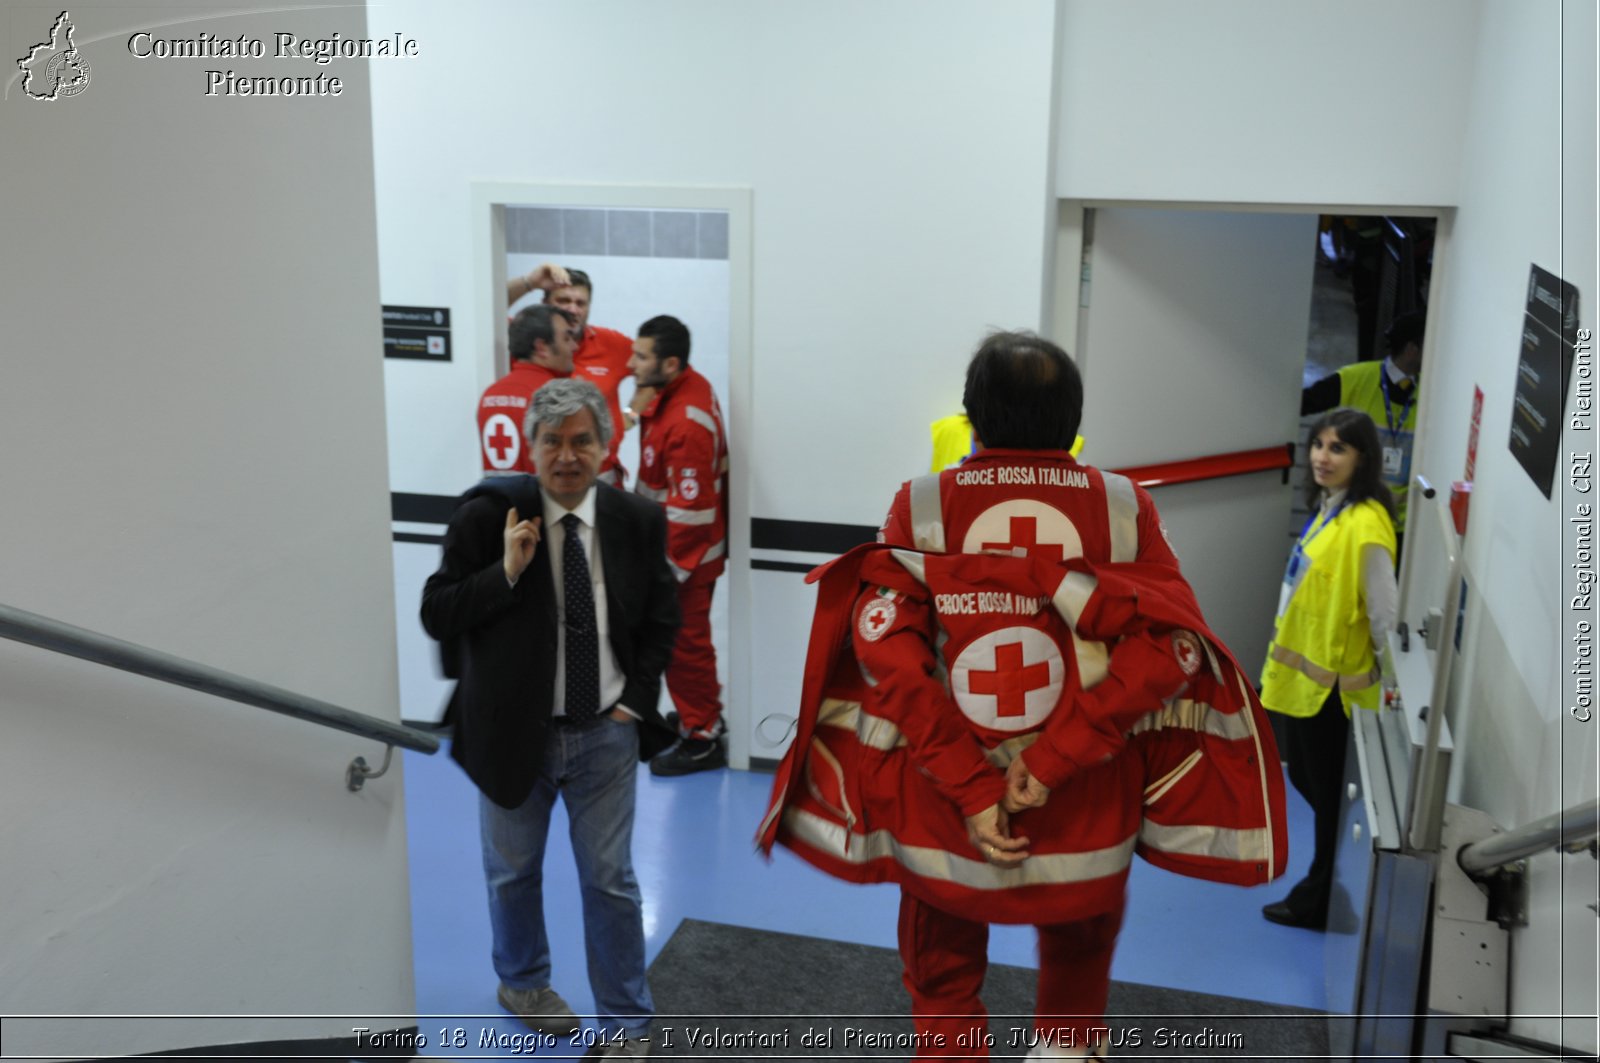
357,774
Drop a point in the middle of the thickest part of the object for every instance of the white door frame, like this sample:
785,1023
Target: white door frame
489,200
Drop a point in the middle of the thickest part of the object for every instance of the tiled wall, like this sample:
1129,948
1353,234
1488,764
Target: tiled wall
636,233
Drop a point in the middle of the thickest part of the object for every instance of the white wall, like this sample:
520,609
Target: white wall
192,458
1527,196
898,213
1431,103
1257,101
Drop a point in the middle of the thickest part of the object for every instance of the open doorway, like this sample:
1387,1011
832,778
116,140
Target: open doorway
648,251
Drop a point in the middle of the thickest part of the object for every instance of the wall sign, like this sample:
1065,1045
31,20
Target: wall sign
1549,332
421,332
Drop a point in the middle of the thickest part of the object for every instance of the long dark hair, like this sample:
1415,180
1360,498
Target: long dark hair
1356,430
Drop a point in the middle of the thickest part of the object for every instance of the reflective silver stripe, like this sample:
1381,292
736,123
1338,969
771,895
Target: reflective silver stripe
1040,869
1323,677
679,515
1221,842
680,574
875,732
1072,595
1003,754
1071,598
714,551
927,518
1186,714
913,563
1261,771
654,494
706,421
1157,790
1094,660
1122,512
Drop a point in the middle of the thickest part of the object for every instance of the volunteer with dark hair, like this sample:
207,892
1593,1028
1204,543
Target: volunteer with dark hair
1385,391
683,464
1024,646
1338,604
601,356
541,341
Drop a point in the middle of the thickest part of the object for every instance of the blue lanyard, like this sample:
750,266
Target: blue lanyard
1388,407
1299,551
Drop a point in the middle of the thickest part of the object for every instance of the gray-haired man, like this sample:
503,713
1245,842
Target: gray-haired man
558,612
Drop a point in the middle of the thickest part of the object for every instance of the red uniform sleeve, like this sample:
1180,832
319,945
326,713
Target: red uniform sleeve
695,528
1144,671
896,529
892,633
1154,546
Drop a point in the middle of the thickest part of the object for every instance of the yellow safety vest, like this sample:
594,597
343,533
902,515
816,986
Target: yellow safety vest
952,441
1323,637
1361,386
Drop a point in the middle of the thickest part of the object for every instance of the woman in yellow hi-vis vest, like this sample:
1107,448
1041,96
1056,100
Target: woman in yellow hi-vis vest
1338,604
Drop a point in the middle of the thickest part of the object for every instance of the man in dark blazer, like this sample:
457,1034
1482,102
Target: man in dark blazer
557,613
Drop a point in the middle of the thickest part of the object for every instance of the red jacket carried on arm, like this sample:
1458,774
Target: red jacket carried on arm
929,672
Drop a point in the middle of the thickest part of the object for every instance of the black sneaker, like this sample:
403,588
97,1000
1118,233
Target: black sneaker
689,755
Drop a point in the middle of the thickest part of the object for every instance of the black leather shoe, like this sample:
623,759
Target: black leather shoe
1283,915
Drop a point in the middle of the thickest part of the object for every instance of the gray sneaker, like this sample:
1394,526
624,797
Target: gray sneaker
628,1048
540,1009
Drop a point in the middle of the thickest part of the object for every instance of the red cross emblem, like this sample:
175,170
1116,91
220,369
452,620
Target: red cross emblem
876,619
1025,533
501,442
1011,681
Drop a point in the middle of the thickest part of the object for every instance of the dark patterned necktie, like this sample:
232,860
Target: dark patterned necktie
583,640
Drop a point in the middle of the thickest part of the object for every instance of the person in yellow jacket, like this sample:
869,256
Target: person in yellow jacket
1337,606
954,443
1387,392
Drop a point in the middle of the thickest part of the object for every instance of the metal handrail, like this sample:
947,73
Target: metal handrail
19,625
1570,830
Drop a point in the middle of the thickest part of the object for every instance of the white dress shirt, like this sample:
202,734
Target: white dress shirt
554,539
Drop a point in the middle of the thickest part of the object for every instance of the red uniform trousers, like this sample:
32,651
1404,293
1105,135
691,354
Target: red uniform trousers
692,675
946,958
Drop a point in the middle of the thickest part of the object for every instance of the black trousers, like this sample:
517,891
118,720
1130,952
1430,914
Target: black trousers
1314,749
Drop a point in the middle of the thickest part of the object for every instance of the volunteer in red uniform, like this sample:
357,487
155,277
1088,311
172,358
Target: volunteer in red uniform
541,341
683,461
602,354
1067,688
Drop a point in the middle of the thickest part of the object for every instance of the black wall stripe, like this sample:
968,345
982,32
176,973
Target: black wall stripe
417,537
780,566
811,536
423,509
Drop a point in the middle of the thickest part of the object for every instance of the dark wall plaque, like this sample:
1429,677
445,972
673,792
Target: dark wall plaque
1549,331
421,332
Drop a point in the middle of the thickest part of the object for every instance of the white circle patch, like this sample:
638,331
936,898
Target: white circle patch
1024,526
1008,680
502,442
1186,647
649,455
876,619
689,489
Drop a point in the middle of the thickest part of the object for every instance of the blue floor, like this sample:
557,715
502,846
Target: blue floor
695,859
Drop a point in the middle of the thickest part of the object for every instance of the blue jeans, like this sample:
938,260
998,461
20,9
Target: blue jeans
594,769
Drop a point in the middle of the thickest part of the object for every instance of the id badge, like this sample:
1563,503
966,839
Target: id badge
1397,460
